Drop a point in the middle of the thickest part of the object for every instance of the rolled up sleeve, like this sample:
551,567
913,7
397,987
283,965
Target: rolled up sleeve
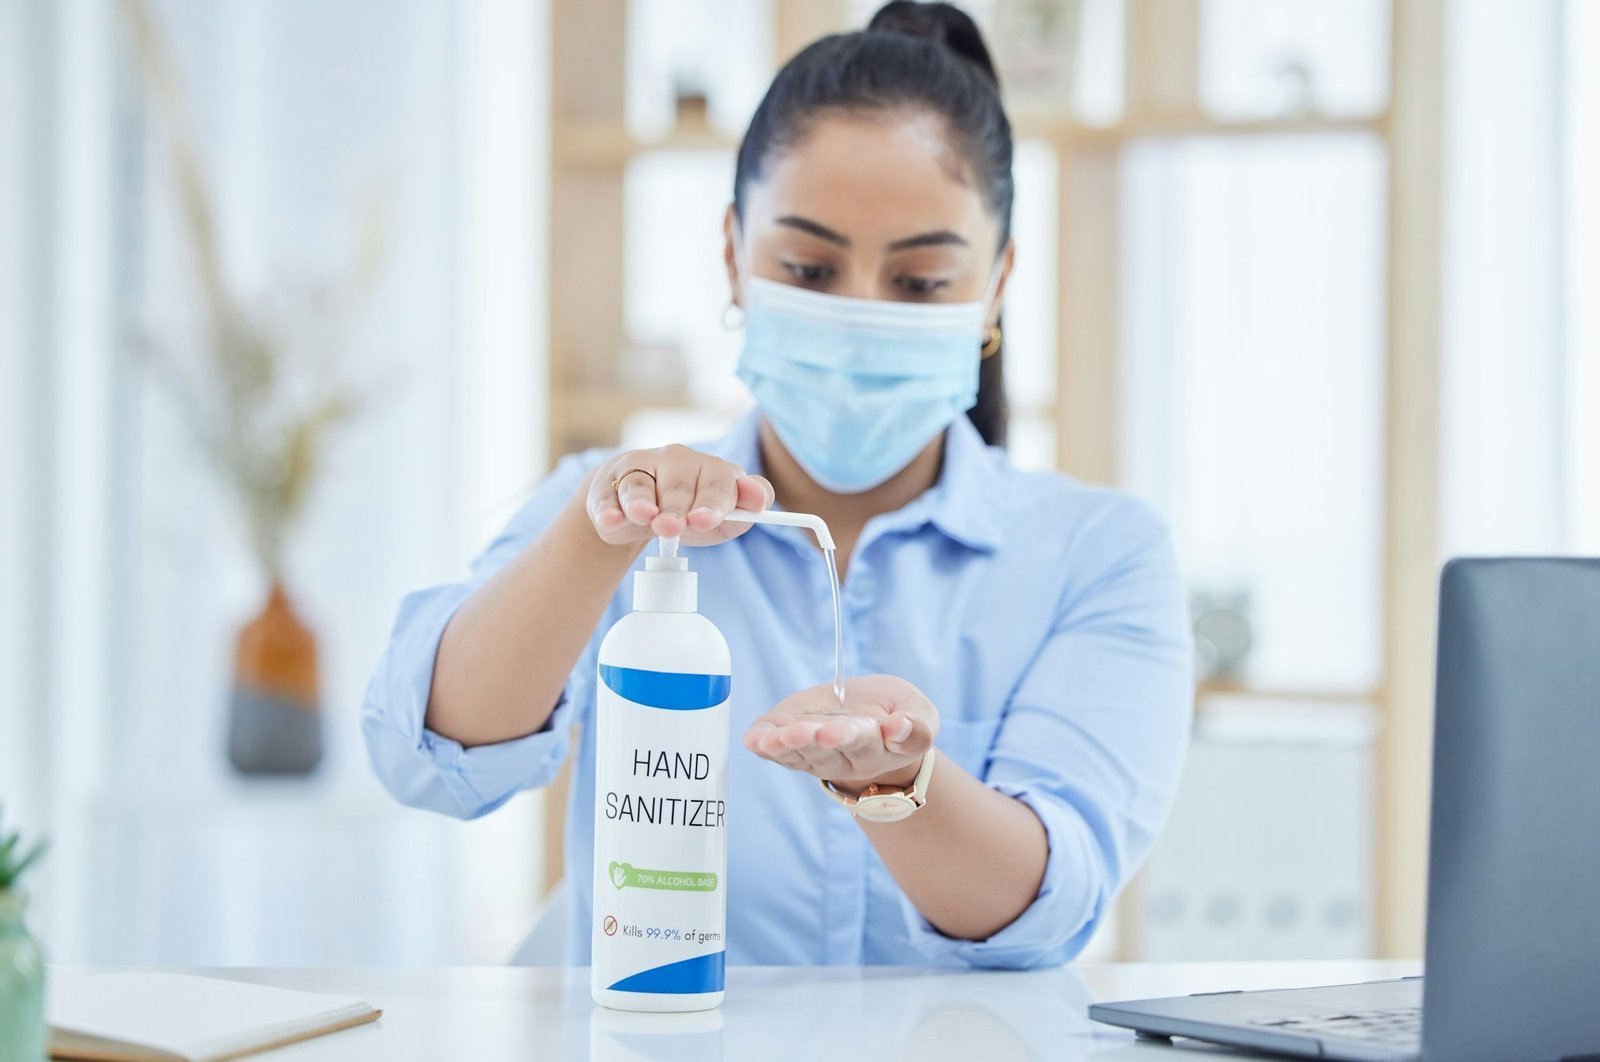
428,770
1092,740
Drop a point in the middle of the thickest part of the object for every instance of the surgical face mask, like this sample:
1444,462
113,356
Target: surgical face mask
855,388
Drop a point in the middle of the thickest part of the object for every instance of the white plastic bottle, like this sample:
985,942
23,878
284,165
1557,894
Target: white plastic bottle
661,793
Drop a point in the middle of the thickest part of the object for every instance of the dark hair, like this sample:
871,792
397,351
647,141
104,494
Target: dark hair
924,56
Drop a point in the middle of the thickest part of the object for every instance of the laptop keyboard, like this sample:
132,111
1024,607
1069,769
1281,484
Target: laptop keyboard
1401,1026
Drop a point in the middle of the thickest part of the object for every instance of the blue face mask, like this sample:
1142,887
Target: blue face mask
855,388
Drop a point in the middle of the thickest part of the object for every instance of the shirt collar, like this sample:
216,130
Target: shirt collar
964,504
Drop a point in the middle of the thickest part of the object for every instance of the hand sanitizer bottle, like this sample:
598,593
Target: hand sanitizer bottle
661,799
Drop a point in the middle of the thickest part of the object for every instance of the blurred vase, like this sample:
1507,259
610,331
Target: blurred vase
22,1030
275,726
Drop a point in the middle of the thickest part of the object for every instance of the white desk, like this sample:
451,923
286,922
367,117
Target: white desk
879,1013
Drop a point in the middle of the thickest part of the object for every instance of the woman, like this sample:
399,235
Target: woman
1029,628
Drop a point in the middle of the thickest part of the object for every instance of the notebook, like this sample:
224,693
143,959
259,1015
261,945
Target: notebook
163,1017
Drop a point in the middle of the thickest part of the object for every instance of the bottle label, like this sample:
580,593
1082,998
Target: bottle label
661,769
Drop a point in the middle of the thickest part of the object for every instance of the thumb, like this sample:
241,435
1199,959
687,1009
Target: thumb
754,493
906,735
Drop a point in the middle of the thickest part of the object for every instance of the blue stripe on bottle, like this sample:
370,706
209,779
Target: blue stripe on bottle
666,689
703,973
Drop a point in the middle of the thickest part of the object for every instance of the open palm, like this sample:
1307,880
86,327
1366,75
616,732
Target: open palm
880,735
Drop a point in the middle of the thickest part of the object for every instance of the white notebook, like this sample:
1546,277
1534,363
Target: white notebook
163,1017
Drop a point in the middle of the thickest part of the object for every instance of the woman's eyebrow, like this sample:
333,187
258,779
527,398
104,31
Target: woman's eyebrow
821,231
927,239
814,228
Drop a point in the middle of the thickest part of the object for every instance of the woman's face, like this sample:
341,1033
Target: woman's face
872,206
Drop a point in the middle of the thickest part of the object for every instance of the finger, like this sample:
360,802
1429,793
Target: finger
906,734
604,510
897,728
767,742
636,492
754,733
846,732
758,740
675,480
785,738
797,735
755,493
714,494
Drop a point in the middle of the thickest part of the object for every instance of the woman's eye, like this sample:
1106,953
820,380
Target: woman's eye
922,285
807,273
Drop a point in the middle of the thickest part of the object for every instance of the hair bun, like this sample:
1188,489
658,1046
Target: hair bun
941,22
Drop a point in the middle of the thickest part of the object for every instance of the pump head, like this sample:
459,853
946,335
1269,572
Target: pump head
666,584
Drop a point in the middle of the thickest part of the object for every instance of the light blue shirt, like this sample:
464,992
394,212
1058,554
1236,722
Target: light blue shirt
1044,618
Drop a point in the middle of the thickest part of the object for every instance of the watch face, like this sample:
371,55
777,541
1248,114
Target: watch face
888,807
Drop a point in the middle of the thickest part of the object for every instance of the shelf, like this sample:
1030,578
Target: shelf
589,146
1347,722
1323,695
1179,126
608,408
604,147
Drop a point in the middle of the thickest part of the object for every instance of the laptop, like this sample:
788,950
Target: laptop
1513,936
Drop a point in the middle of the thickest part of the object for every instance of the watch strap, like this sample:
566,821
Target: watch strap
916,792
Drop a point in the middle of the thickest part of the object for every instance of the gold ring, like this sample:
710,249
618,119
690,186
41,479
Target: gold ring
618,480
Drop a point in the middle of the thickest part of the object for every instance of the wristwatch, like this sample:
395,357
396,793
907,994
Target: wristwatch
886,803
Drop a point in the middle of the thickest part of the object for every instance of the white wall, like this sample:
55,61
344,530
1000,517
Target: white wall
1581,225
21,465
298,109
1505,444
502,403
162,855
75,529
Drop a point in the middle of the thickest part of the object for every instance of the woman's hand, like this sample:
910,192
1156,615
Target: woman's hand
672,492
880,735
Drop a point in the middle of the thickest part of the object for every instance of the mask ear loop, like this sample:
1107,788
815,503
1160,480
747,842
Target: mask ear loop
993,286
991,335
733,314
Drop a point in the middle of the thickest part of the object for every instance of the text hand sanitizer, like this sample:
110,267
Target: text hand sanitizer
661,800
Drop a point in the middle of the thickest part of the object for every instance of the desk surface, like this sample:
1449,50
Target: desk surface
881,1013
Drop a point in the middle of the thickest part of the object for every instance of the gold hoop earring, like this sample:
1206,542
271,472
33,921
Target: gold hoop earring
991,346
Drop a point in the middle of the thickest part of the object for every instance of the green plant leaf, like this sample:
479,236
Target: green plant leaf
32,856
11,867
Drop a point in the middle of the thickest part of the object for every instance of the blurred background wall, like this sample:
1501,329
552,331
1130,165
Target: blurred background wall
1317,277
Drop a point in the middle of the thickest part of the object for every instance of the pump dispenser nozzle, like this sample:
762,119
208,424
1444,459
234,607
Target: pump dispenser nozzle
666,558
771,516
